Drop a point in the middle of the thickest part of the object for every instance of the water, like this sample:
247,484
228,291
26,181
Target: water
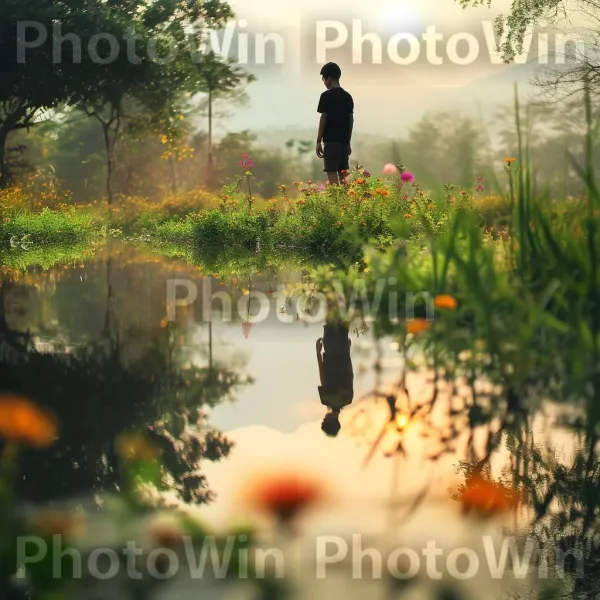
93,343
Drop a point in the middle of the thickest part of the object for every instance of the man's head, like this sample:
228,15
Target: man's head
331,74
331,424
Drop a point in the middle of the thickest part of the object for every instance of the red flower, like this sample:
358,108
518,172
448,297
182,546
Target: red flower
285,495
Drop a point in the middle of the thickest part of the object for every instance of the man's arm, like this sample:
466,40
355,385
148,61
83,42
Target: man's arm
350,127
320,133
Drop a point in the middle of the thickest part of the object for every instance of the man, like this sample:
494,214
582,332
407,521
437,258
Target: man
337,377
335,127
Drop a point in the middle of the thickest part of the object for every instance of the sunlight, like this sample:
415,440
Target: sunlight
400,16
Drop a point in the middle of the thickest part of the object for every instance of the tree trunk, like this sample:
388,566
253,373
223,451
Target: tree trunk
109,162
173,175
4,177
209,169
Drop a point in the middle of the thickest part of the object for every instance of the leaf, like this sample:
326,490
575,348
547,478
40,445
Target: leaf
553,323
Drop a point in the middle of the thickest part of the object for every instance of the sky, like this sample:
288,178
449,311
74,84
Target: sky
388,97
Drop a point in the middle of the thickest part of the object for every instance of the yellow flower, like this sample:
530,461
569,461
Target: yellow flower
135,447
58,522
23,422
445,301
417,325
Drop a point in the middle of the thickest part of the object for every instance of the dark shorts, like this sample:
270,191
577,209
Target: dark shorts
335,156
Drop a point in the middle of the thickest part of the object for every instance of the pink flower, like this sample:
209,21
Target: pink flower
246,162
366,173
407,176
344,181
479,187
246,327
322,187
390,169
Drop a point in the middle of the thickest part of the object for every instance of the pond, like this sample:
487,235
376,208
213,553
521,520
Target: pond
123,343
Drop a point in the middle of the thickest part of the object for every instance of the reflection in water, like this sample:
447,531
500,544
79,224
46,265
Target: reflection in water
335,370
89,349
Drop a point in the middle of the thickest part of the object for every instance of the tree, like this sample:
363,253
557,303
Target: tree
522,16
31,85
219,79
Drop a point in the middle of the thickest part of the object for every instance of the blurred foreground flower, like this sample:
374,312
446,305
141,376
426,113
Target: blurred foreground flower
486,497
445,301
390,169
58,522
23,422
284,495
135,447
417,325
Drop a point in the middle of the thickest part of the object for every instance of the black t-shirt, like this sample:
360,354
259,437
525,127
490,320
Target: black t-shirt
337,103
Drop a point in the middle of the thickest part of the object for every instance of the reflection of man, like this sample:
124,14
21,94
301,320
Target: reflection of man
337,378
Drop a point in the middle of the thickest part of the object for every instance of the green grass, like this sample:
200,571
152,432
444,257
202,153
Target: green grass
47,238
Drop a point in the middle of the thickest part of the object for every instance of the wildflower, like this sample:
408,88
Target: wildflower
509,160
381,192
246,327
390,169
407,176
479,187
417,325
445,301
284,495
345,181
408,216
23,422
486,497
246,162
52,522
322,187
166,533
361,181
163,322
366,173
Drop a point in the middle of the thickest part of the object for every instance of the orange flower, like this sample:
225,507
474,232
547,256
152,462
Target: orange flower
417,325
58,522
284,495
23,422
487,497
381,192
166,533
360,181
445,301
509,160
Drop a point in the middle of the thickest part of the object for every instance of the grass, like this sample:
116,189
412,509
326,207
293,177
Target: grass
47,238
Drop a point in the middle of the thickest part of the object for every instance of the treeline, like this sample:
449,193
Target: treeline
440,148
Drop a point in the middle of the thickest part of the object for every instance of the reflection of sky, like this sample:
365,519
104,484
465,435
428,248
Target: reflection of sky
282,359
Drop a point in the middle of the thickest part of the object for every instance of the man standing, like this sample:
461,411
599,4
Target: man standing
335,127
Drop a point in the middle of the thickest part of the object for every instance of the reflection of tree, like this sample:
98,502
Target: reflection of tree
121,382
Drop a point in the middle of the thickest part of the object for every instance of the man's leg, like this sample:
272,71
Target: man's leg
331,162
333,177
